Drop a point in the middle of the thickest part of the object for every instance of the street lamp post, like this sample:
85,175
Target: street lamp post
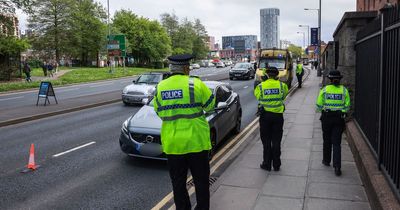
304,37
308,33
319,37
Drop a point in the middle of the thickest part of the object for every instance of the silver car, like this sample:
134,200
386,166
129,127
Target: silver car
140,133
142,88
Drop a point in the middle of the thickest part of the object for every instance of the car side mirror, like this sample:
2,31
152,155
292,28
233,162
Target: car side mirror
134,81
221,106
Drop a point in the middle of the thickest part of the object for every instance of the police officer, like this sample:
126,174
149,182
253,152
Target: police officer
271,95
334,102
299,73
180,102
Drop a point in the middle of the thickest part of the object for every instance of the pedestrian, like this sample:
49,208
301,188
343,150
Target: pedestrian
255,65
334,102
181,101
50,69
56,67
44,68
27,71
299,73
316,65
271,95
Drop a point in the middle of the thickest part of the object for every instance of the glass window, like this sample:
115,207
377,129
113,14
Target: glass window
242,65
278,63
149,78
223,93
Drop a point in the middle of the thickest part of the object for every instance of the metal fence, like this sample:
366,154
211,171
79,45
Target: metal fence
377,105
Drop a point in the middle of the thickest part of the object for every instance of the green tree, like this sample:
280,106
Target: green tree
296,50
87,34
50,20
148,40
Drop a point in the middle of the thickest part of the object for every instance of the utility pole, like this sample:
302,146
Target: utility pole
319,40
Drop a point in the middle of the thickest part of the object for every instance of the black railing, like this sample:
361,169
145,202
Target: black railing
377,104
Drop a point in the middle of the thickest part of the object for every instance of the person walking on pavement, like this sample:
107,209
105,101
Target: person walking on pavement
27,71
315,65
299,73
271,95
50,69
180,101
334,102
44,68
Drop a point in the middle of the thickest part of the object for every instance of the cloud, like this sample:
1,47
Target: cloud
240,17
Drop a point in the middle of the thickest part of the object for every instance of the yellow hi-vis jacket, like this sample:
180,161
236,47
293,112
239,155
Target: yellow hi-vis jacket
271,95
180,102
333,98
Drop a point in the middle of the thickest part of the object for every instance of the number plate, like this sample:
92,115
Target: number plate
238,75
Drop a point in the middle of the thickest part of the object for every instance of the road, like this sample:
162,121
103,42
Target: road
28,98
98,176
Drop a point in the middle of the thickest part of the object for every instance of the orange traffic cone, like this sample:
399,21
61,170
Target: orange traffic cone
31,163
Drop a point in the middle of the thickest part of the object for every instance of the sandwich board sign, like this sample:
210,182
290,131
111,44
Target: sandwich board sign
46,90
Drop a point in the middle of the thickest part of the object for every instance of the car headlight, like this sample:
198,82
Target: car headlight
125,91
125,126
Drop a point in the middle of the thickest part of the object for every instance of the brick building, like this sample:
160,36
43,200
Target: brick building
373,5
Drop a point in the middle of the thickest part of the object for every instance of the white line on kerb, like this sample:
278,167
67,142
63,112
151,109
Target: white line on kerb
73,149
6,99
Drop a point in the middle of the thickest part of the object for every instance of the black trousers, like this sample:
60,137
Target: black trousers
300,79
271,131
199,166
332,128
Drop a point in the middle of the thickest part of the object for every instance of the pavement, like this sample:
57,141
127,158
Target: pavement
303,183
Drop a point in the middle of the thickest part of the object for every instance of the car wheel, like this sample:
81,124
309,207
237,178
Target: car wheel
230,78
213,138
126,103
238,123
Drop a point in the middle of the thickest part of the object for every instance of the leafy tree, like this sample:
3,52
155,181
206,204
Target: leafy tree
87,35
50,22
148,40
296,50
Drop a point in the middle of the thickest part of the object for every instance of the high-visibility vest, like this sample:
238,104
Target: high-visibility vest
271,95
180,102
333,98
299,68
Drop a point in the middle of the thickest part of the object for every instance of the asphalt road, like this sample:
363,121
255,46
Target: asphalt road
98,176
28,98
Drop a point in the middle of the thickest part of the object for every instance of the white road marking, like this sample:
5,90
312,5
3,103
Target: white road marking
245,87
104,84
6,99
61,91
73,149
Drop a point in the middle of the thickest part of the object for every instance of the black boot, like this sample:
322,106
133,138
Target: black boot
338,172
326,163
265,167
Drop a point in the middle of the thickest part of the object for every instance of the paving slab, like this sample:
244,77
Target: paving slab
301,131
294,168
329,204
347,177
245,177
233,198
276,203
295,154
337,191
285,186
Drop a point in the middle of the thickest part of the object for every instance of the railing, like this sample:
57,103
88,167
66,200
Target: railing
377,104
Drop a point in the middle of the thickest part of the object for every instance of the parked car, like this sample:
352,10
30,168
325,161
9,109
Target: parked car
220,64
242,71
140,133
142,88
227,62
195,66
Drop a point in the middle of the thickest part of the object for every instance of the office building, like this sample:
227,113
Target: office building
284,44
269,28
239,47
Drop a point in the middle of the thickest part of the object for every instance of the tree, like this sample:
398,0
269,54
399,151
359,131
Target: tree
148,40
87,35
296,50
50,20
187,37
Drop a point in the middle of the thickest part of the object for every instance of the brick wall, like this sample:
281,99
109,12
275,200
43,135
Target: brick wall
373,5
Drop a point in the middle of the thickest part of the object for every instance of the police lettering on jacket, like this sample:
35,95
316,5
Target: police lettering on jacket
274,91
334,96
171,94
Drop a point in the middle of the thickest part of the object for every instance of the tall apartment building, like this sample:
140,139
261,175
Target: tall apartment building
284,44
211,43
373,5
269,27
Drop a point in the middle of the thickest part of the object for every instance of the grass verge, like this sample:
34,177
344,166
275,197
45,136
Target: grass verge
76,75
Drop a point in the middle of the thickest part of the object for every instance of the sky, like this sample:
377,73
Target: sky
241,17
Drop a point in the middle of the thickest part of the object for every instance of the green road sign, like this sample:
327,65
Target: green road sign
116,45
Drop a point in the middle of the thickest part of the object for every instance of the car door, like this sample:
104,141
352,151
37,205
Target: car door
222,116
232,101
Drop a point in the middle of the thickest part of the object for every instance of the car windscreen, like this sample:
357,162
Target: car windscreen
152,101
242,66
278,63
149,78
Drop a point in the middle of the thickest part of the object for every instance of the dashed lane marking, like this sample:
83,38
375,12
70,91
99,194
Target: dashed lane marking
99,85
61,91
73,149
6,99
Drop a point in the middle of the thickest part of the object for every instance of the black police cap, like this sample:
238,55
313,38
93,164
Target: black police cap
334,74
183,59
272,70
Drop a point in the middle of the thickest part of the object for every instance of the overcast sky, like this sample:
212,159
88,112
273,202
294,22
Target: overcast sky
242,17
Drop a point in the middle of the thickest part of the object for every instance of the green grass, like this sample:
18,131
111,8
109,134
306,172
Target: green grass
77,75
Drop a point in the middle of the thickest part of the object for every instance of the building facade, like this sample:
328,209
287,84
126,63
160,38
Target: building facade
211,43
239,43
9,24
269,28
373,5
284,44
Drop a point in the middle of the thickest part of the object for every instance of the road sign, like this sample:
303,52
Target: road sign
314,36
46,90
116,45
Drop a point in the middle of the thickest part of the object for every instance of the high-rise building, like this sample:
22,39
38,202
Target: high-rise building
372,5
211,43
269,27
284,44
239,47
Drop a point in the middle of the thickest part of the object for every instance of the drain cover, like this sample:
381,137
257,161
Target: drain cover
211,181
